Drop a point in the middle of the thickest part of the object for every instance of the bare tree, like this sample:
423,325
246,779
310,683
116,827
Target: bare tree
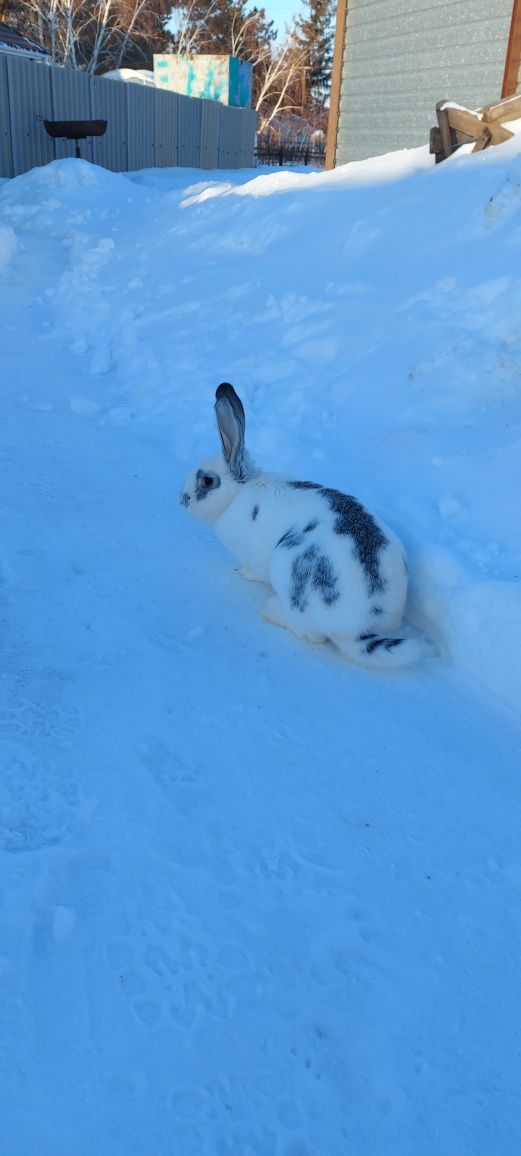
187,27
278,72
279,82
96,34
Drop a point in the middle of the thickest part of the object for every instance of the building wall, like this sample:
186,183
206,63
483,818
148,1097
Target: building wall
402,56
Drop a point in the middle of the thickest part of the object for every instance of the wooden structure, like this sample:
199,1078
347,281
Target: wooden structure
393,58
485,126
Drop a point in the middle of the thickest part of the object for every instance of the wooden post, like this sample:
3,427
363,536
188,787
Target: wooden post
336,83
513,57
447,141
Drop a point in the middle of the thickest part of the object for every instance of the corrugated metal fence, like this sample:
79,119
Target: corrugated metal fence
146,127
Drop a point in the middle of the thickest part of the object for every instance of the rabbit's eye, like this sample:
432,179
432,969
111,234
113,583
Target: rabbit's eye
205,483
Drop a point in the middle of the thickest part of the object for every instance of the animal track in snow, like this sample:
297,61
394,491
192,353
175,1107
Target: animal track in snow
37,721
166,982
38,801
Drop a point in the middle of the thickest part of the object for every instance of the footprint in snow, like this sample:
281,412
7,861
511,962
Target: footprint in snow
39,802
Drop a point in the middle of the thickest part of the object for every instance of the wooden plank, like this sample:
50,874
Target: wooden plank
504,110
435,145
513,56
336,83
447,139
465,121
483,141
498,133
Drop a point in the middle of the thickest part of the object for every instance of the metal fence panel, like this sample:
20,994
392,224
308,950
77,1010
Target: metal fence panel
71,100
146,127
141,119
30,101
109,102
190,118
230,143
6,148
248,126
211,116
166,132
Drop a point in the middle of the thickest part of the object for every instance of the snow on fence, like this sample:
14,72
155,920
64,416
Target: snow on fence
146,127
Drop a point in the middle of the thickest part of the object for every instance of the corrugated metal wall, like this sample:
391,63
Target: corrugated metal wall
146,127
6,145
71,90
211,119
189,132
167,120
237,139
402,56
29,101
141,114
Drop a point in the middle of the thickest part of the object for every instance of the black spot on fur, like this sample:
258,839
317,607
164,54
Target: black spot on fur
291,538
375,644
376,610
254,513
389,643
301,572
324,580
354,520
312,570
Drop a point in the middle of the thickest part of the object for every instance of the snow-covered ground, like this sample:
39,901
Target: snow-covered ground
256,902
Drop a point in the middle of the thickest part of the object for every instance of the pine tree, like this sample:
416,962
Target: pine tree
315,35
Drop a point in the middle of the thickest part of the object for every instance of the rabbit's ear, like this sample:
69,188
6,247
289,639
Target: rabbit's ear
231,422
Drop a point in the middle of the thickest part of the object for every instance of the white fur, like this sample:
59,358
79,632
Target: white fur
352,610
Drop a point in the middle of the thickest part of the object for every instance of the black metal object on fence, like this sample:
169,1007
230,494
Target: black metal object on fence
289,154
75,130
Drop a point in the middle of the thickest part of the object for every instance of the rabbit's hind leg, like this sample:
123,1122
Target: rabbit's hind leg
273,611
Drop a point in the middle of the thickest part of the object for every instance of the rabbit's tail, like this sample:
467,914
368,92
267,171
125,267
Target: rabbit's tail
376,653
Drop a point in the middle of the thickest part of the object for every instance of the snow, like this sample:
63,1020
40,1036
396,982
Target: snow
7,244
256,902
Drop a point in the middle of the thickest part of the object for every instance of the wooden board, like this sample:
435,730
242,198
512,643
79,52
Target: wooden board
464,120
513,57
336,84
503,110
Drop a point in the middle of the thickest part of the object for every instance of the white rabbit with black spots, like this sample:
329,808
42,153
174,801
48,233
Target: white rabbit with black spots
338,574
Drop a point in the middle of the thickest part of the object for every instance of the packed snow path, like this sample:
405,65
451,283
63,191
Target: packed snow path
254,902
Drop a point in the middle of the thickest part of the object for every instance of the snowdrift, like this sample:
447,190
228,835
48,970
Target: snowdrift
371,318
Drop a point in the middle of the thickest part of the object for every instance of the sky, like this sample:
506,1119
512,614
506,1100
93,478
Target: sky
281,12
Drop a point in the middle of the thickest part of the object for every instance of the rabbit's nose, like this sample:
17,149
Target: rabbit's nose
185,499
